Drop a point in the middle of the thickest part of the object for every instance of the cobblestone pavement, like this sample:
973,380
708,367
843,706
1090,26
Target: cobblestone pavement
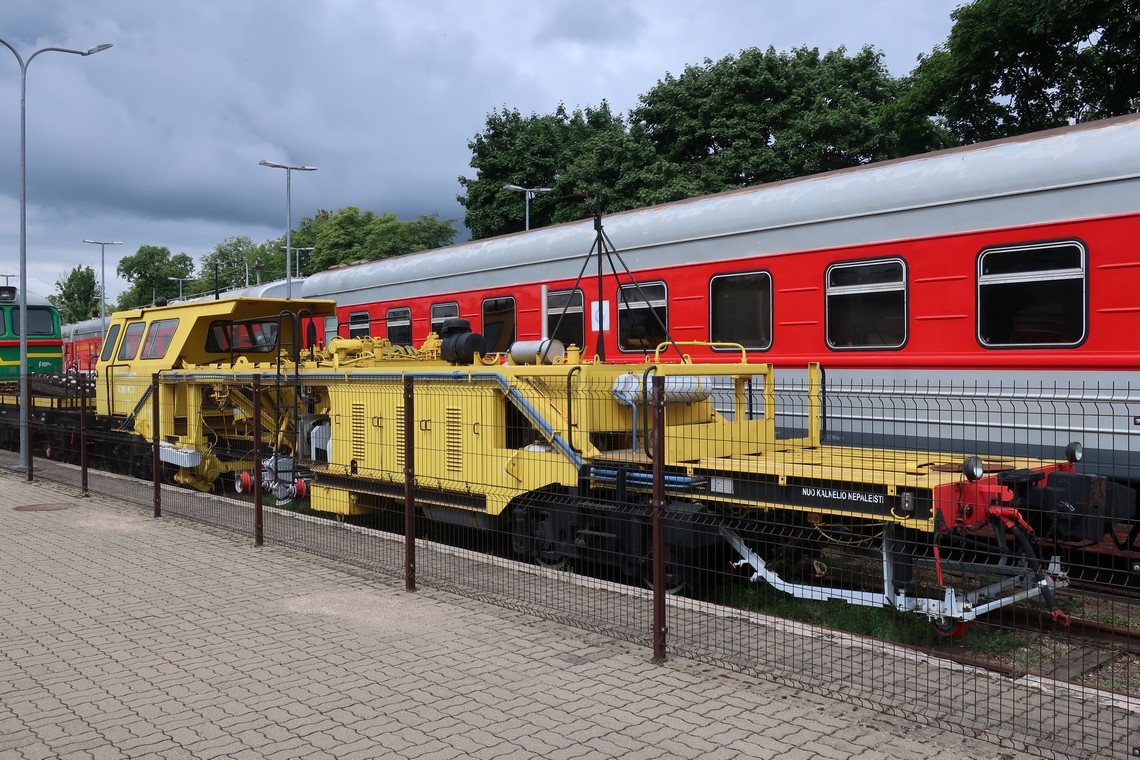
124,636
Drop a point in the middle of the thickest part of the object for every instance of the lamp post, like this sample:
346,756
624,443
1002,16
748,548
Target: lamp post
180,281
103,275
530,192
288,216
297,251
25,402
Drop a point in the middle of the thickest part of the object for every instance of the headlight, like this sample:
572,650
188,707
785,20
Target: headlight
1074,452
973,468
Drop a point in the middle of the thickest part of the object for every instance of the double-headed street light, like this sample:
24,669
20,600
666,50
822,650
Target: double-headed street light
288,216
530,192
103,275
299,251
180,281
25,403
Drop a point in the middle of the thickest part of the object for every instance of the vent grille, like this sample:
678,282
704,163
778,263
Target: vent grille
454,439
358,447
400,438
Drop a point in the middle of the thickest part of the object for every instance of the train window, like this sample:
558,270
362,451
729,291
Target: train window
131,339
158,338
3,324
866,304
359,324
740,309
564,317
400,326
642,316
41,321
109,344
1032,295
442,311
258,337
499,323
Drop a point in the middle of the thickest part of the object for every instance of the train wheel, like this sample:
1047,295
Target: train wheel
545,552
675,580
539,544
950,628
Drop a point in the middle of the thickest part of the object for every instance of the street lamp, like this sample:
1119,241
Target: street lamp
103,275
25,402
297,251
530,193
288,216
180,281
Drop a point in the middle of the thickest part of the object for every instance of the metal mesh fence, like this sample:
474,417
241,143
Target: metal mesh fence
802,552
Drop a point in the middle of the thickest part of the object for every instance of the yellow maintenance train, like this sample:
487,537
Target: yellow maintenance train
556,450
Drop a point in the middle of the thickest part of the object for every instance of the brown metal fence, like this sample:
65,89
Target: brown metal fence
1015,677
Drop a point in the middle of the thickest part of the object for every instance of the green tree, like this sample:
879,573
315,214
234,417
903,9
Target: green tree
764,116
1016,66
149,271
757,117
77,295
234,260
567,152
350,235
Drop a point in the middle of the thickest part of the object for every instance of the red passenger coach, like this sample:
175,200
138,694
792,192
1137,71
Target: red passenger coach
1009,255
1004,262
82,342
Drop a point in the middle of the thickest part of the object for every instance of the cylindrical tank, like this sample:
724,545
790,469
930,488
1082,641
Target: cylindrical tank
627,387
536,351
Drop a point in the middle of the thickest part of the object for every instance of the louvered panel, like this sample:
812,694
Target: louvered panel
400,437
358,445
454,439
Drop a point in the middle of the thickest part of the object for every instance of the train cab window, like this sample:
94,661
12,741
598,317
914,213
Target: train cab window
109,344
359,324
740,309
131,339
866,304
258,337
3,324
564,317
158,338
442,311
41,321
1032,295
498,323
642,316
400,326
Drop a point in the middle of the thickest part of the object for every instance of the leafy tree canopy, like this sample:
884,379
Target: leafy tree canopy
764,116
566,152
1015,66
757,117
77,295
149,271
232,264
353,235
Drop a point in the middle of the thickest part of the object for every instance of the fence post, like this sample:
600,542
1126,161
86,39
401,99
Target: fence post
83,430
155,458
409,485
258,513
28,426
658,505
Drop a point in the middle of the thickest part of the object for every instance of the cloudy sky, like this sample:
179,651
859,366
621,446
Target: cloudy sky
157,140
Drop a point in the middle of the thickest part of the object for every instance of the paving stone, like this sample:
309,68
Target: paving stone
129,637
